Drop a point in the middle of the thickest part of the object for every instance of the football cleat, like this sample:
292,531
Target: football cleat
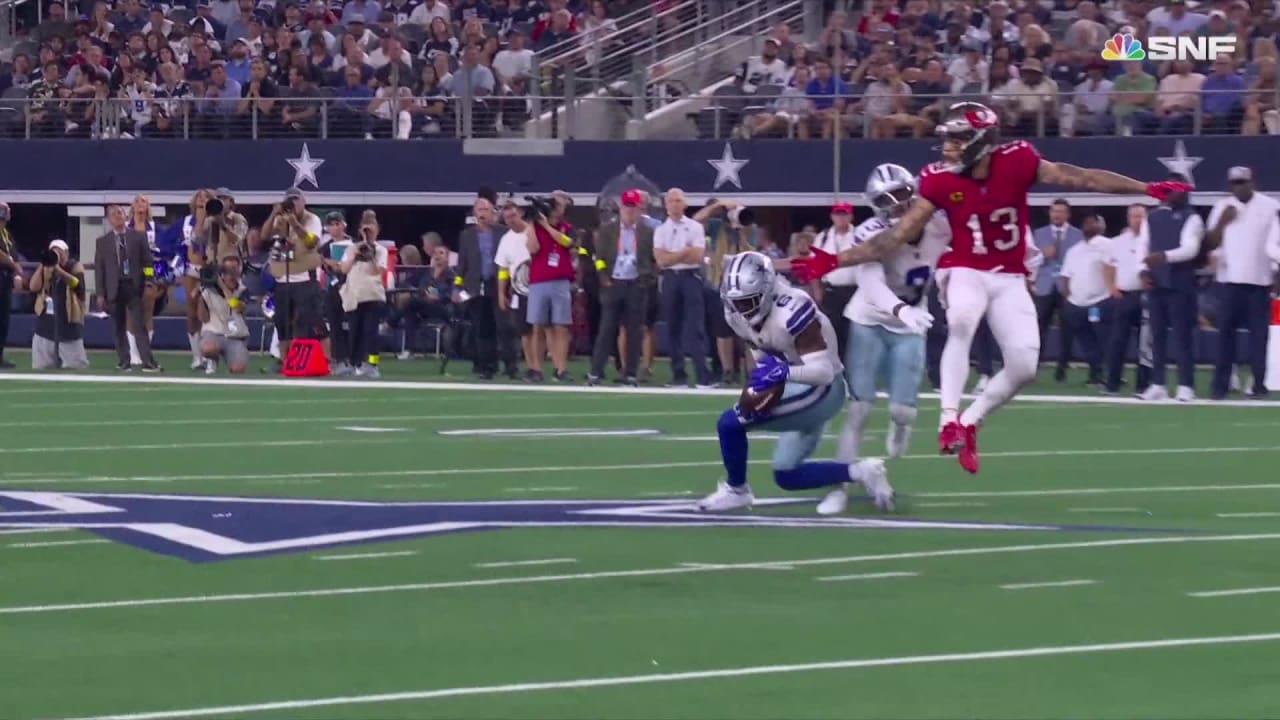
968,454
897,439
1186,394
836,501
950,438
727,497
876,482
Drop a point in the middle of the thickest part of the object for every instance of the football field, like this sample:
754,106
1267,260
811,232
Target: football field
266,549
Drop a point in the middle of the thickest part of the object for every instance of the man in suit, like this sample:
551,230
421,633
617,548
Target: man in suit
1054,240
626,269
122,265
477,284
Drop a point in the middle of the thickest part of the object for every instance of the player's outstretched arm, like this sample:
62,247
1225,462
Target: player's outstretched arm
883,244
1078,178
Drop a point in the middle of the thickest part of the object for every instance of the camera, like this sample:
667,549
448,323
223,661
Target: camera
739,216
213,207
49,258
539,205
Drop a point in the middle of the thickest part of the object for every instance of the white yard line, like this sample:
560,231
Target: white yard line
738,566
184,446
431,419
748,671
667,493
398,486
32,531
867,576
1121,510
947,504
649,572
367,556
1249,515
1050,584
527,563
1049,492
59,543
1236,591
556,489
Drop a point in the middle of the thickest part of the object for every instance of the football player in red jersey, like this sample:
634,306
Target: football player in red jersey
982,187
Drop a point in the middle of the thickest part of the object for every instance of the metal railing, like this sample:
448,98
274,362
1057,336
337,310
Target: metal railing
769,112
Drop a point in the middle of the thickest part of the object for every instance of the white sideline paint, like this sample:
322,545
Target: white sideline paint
527,563
436,418
749,671
183,446
1106,510
573,389
1249,515
690,464
650,572
738,566
562,488
1051,584
33,531
367,556
947,504
60,543
363,429
1237,591
397,486
867,576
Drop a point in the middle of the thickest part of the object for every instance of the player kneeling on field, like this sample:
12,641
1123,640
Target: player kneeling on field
795,389
223,332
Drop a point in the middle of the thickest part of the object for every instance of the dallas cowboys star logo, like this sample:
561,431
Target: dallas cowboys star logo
304,168
202,528
727,168
1181,163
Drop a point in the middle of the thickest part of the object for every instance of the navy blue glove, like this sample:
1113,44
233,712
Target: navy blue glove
771,370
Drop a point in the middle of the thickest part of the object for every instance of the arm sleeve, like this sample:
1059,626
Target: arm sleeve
871,281
1273,238
1144,244
815,368
1189,242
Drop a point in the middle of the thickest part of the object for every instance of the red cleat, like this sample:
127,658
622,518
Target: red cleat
969,450
950,438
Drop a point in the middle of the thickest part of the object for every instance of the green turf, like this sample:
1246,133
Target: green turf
1117,465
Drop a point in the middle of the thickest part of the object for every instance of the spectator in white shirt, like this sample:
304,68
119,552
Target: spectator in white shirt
1090,107
516,61
1084,285
1123,275
969,73
1248,230
429,10
390,49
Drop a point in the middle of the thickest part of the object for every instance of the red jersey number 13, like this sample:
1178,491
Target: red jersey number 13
1005,236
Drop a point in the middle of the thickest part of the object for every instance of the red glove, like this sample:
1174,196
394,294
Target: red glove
811,267
1161,190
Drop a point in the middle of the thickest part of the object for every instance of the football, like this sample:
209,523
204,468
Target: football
757,402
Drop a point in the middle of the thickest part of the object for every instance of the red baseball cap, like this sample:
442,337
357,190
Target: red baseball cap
842,207
632,197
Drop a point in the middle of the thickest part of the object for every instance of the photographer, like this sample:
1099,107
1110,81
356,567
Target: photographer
59,288
333,247
192,259
294,234
364,295
224,229
10,279
551,275
729,227
220,305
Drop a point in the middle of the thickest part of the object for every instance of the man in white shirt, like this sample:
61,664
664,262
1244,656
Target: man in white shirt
1084,285
679,246
838,286
390,49
1248,230
516,61
428,11
512,253
1123,275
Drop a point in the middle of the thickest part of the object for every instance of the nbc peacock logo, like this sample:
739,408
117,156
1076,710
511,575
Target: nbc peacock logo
1123,47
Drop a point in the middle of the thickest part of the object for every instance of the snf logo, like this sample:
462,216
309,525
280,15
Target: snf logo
1202,49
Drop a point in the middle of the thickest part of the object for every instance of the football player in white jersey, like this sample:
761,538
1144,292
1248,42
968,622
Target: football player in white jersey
887,315
792,343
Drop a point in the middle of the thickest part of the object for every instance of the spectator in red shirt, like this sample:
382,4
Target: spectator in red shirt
545,21
881,11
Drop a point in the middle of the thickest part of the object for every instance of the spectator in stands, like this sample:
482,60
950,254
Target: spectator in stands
238,26
1262,104
440,40
55,22
132,19
93,65
362,35
467,10
800,58
969,73
390,110
1222,98
924,49
356,59
781,32
1053,241
1124,285
1033,101
828,94
998,27
205,23
430,104
316,29
46,115
766,69
929,95
441,65
386,24
1175,102
426,13
400,10
318,57
221,100
1035,44
885,104
516,61
350,109
367,10
172,102
1175,19
1133,98
790,112
879,11
472,77
239,66
300,113
1088,113
917,14
19,76
392,48
599,32
1084,286
954,40
559,30
157,22
139,97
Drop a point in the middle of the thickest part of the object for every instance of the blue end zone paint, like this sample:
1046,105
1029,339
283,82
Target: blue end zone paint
205,528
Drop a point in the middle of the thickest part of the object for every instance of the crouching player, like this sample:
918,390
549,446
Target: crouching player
796,354
888,315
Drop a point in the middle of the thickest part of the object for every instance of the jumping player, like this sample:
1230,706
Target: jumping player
982,187
887,316
792,343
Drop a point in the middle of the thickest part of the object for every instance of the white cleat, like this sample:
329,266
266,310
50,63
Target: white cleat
836,501
1235,380
196,364
726,497
876,481
1186,394
895,443
1155,393
210,367
981,385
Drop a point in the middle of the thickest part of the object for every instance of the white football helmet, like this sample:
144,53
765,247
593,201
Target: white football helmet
747,286
890,189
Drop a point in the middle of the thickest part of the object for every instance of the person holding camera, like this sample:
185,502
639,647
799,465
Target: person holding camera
10,279
626,268
123,264
551,276
294,234
191,259
224,230
223,331
364,295
477,286
58,285
333,247
728,225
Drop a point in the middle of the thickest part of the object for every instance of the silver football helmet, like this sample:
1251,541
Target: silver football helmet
747,286
890,189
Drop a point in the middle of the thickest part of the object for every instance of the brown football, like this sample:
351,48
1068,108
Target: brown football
760,401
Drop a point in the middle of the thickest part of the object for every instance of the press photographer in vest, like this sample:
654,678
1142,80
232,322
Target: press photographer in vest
551,275
294,234
58,285
1246,228
10,279
223,331
224,229
1169,244
364,295
333,246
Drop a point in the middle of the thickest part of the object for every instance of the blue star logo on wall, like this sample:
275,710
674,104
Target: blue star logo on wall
1181,163
202,528
727,168
304,168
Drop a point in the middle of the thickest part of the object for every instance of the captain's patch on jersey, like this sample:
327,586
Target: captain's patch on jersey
957,196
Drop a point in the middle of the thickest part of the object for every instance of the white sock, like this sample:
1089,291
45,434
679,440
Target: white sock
135,358
954,368
275,345
194,339
851,434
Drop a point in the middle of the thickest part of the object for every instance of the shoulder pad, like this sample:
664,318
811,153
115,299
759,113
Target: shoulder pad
798,311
